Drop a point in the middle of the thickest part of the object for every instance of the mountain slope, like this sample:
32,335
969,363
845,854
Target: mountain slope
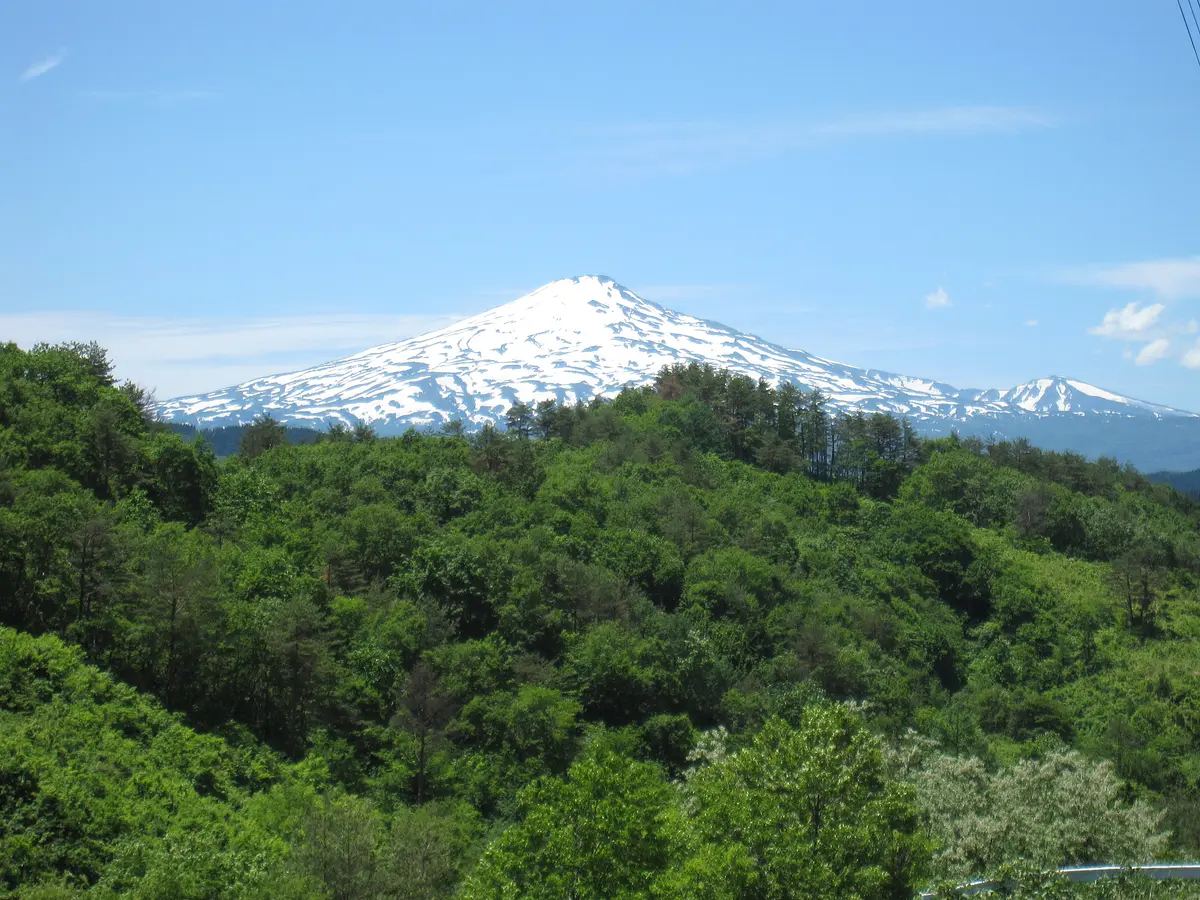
587,336
1184,482
94,771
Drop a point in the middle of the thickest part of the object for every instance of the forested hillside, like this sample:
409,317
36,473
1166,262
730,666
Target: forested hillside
1184,482
226,440
704,640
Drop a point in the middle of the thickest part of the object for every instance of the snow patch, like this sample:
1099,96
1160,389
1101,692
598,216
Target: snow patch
588,336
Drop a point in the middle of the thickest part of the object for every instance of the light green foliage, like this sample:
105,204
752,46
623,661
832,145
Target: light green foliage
339,848
798,812
963,483
808,812
613,579
1052,811
1026,882
101,784
536,724
618,673
512,739
428,850
732,583
603,833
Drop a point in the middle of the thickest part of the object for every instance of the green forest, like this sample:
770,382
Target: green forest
1184,482
703,640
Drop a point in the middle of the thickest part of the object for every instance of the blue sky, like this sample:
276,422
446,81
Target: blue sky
980,193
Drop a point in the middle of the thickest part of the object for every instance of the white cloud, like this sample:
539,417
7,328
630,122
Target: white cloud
1176,279
1191,358
1146,326
939,299
1129,323
1153,352
42,66
1171,279
1031,323
176,356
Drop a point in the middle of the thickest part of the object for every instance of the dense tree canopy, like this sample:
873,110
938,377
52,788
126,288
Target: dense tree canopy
702,640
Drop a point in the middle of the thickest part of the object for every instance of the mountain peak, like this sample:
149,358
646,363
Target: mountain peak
598,279
598,283
587,336
580,293
1058,394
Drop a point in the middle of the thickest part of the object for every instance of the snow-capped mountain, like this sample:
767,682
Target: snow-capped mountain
581,337
1048,396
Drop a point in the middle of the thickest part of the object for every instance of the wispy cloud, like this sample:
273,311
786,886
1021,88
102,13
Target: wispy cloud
1031,323
1131,323
1153,352
42,66
947,120
678,147
1191,356
176,356
939,299
1171,279
155,97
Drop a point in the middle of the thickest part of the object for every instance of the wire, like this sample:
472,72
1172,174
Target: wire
1192,10
1192,40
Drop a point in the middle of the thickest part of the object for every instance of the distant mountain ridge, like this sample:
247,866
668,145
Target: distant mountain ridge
1184,482
588,336
225,440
